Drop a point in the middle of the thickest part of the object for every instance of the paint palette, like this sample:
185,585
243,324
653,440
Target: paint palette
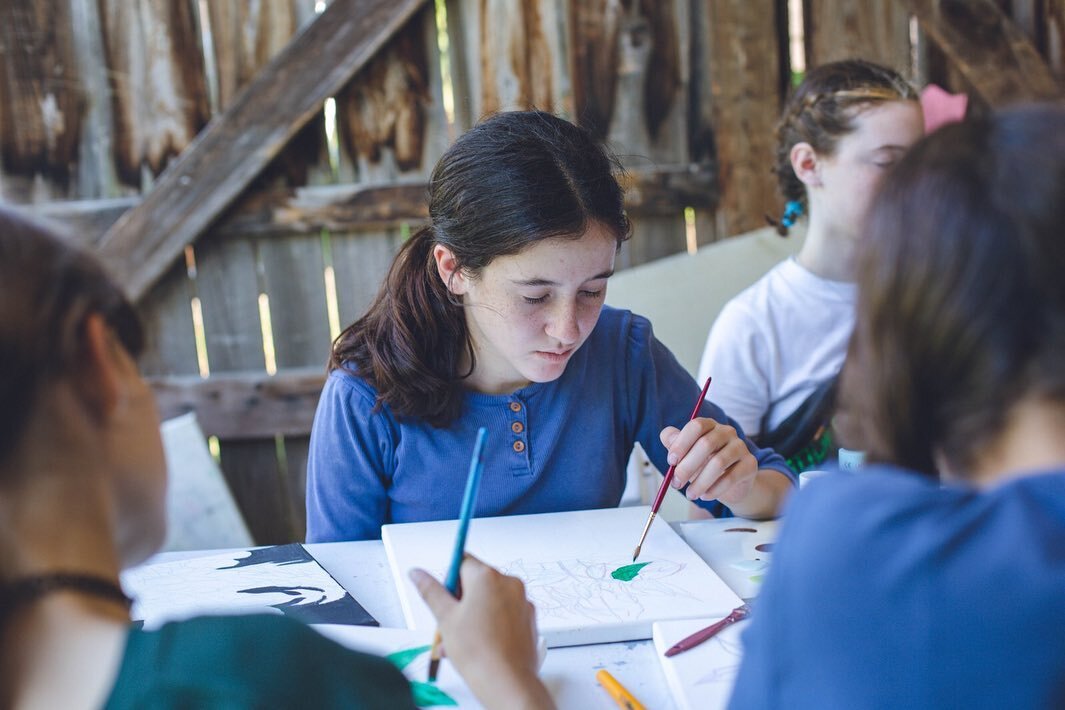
578,570
739,550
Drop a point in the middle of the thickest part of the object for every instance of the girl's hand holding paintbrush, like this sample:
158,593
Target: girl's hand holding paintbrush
489,635
712,459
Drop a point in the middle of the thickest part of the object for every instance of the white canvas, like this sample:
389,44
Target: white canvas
702,677
566,560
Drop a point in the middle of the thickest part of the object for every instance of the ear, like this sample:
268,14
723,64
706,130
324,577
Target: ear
806,164
447,266
100,382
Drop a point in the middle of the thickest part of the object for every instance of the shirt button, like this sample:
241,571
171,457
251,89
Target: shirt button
515,406
517,427
519,446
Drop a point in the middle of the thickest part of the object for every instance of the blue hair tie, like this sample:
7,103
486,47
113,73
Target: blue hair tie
792,211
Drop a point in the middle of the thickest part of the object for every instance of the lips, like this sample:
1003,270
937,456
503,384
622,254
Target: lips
554,356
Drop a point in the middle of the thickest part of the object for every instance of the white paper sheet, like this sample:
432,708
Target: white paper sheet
700,678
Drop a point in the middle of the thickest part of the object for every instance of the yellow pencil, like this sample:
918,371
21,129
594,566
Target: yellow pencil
617,691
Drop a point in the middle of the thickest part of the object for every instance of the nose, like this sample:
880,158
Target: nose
562,325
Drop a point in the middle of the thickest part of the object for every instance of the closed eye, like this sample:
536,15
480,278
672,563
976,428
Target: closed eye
531,300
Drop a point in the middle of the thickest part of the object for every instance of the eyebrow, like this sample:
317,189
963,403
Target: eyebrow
548,282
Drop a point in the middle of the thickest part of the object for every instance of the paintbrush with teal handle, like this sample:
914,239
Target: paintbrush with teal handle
473,482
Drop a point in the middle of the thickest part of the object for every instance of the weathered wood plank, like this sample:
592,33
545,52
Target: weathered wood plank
364,207
644,136
246,405
292,271
42,99
158,84
297,449
594,30
245,36
170,335
509,56
384,110
987,49
239,143
740,88
877,30
360,263
228,284
260,490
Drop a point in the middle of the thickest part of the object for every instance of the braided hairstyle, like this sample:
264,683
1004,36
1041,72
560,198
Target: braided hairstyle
821,111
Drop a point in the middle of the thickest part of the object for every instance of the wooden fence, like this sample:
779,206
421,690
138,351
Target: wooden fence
266,234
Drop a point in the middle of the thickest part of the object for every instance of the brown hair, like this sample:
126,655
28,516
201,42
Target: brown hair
822,110
511,181
961,308
48,288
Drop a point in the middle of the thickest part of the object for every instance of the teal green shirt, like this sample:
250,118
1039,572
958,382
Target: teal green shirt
251,662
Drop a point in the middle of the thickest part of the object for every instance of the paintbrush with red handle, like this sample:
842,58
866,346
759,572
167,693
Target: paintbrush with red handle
667,478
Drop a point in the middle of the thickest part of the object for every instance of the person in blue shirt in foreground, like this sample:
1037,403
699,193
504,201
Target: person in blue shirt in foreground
492,315
936,578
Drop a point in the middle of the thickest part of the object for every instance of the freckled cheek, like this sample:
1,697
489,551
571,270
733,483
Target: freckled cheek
588,316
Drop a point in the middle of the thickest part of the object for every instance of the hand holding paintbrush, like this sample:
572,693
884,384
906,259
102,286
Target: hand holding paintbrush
667,479
491,630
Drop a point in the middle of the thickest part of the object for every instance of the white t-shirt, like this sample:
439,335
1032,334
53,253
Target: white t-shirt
775,342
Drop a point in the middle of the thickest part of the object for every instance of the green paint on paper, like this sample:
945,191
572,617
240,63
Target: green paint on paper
402,658
428,695
627,573
756,578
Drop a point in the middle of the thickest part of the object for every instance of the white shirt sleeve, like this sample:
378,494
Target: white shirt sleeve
737,355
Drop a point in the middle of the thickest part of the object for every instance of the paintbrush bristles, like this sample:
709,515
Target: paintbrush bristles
434,657
639,545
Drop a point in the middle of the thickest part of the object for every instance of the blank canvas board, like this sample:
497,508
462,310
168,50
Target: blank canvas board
283,579
700,678
566,561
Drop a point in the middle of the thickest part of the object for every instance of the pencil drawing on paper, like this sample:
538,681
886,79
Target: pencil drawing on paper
585,588
728,653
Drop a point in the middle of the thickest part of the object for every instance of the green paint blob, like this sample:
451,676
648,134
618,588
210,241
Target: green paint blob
756,578
428,695
402,658
627,573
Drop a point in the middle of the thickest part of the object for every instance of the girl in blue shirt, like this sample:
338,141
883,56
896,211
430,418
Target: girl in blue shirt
492,315
936,578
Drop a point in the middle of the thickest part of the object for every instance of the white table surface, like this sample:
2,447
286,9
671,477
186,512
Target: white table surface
569,673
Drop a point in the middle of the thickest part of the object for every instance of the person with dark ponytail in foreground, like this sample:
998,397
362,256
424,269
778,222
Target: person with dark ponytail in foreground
82,482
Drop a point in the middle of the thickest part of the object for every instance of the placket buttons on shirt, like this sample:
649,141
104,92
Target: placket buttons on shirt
518,428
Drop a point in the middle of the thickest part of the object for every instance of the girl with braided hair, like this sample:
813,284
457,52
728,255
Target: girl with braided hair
776,349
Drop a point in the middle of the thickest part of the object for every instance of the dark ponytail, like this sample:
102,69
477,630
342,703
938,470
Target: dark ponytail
512,180
409,343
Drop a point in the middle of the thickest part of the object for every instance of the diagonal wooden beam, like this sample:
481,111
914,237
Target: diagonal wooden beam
239,143
991,52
